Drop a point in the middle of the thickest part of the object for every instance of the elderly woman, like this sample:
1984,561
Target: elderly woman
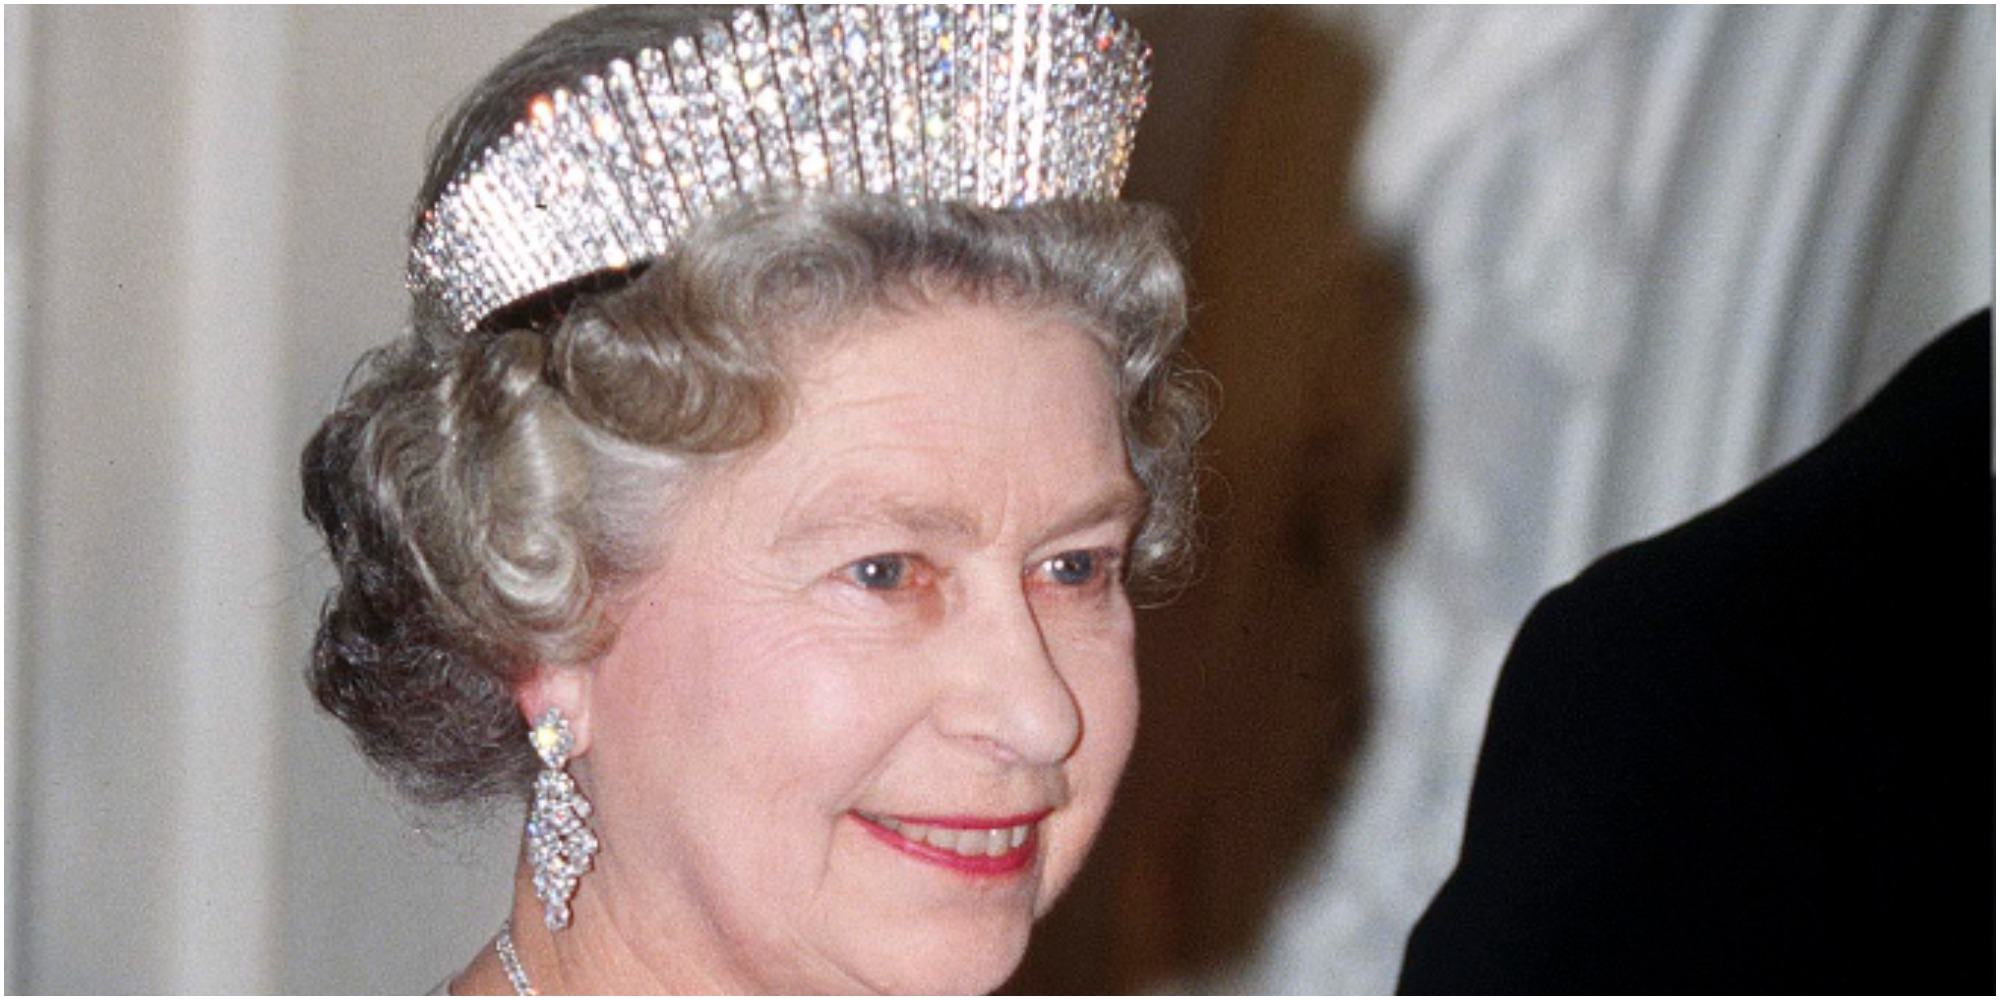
789,408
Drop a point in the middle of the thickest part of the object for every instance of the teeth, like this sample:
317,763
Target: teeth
971,843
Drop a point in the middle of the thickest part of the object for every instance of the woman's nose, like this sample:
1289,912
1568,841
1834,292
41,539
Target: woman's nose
1007,689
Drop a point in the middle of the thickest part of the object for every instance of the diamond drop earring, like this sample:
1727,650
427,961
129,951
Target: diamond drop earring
560,846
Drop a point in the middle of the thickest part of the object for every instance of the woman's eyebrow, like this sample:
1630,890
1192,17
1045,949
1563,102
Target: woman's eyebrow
1122,501
859,507
844,509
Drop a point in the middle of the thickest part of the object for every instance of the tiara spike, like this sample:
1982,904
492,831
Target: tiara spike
1005,94
1008,98
870,109
996,105
1063,96
531,168
1122,116
969,100
516,183
501,249
1035,116
559,188
794,99
616,184
933,40
826,41
651,180
682,180
765,135
903,79
732,103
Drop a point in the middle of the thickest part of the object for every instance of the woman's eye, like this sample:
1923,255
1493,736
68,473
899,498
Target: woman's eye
880,572
1074,569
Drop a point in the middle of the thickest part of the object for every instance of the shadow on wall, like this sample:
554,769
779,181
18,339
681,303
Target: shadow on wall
1256,680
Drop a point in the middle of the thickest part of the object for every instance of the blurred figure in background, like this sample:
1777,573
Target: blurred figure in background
1755,753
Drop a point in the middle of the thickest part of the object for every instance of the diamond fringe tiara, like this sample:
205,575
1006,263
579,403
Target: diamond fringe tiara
995,105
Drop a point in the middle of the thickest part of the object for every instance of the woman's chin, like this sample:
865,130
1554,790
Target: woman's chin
949,964
960,975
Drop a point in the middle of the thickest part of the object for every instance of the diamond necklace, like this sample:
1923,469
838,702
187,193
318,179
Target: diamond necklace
503,946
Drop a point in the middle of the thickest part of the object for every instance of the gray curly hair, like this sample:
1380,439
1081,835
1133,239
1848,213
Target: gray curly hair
486,496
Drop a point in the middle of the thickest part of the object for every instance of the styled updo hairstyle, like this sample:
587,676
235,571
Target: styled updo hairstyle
488,496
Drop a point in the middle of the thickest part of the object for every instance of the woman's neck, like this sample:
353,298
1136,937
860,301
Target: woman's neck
574,961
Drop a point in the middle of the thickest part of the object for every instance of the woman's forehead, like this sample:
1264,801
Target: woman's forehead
957,363
923,313
925,420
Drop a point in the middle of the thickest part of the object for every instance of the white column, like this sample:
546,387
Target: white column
145,375
231,489
21,177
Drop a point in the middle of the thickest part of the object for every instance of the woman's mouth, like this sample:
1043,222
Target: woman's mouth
973,846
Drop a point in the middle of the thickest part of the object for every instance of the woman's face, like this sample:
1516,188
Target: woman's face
862,724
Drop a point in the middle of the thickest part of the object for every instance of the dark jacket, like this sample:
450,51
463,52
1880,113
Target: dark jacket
1756,753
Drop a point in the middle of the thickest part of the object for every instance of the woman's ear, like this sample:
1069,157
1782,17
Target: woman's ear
565,689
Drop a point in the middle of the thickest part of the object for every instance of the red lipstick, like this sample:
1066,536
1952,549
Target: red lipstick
978,846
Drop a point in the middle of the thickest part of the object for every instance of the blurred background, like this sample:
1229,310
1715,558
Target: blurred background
1486,292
